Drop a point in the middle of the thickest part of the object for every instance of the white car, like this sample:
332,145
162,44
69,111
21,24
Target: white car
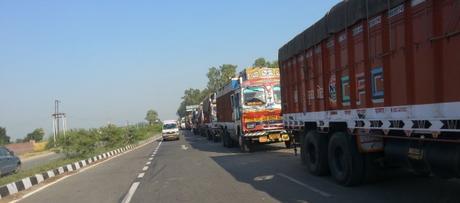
170,130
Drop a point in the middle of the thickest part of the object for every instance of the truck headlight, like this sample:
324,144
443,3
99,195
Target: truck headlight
250,125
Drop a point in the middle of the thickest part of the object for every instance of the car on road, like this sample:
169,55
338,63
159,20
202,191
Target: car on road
9,163
170,130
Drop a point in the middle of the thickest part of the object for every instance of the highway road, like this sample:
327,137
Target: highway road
196,170
40,160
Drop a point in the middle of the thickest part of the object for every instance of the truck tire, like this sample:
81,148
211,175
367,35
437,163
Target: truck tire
224,139
231,142
245,145
287,144
215,138
345,162
315,153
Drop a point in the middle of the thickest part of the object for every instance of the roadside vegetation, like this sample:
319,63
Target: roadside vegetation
84,142
79,144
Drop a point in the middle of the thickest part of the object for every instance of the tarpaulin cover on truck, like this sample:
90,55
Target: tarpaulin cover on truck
342,15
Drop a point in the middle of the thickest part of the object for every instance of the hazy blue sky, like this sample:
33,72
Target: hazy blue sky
111,61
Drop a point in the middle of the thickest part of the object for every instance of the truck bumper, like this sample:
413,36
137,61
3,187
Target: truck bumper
170,136
268,136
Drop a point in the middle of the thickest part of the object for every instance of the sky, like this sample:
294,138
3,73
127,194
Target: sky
109,61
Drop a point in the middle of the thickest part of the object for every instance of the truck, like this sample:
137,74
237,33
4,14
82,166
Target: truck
209,128
190,116
249,109
373,84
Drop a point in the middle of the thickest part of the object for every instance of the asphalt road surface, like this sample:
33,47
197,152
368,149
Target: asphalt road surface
39,160
196,170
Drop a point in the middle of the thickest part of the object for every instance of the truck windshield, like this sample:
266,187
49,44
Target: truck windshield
254,96
277,94
169,126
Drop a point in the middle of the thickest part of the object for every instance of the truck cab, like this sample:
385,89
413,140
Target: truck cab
255,109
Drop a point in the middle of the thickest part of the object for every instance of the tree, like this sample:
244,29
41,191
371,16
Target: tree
261,62
191,97
219,77
152,116
4,139
274,64
36,135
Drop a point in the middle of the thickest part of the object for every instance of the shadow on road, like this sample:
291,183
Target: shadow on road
281,175
208,145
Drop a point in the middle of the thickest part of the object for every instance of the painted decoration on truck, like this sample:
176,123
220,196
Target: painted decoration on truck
261,73
345,80
332,90
360,88
377,84
311,96
251,116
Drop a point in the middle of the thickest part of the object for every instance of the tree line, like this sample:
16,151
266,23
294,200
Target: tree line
217,78
39,133
36,135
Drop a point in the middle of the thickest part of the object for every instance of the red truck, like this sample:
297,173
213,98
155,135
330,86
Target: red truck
209,127
374,83
249,109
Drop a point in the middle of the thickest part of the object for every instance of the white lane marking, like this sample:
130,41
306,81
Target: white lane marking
145,168
262,178
322,193
151,158
131,192
40,177
148,163
141,175
184,147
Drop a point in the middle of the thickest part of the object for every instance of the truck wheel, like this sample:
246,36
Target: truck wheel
230,141
245,146
214,137
345,162
303,156
287,144
224,139
315,148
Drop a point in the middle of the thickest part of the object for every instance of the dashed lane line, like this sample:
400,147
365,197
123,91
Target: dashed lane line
316,190
39,189
131,191
134,186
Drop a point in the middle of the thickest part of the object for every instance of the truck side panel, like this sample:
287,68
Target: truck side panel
406,55
224,108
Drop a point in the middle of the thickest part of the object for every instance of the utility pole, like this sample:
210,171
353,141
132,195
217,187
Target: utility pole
58,119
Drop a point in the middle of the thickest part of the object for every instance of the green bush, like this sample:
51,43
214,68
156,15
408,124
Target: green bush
78,143
81,142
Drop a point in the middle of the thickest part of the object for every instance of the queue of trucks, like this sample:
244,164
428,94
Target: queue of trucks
245,112
371,85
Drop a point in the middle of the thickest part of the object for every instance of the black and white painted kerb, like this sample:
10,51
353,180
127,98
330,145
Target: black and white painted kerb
28,182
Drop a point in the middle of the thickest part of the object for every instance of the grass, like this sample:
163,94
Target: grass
55,164
39,169
31,154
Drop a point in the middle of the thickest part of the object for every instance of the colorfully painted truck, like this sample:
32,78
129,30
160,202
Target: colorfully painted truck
249,109
375,83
